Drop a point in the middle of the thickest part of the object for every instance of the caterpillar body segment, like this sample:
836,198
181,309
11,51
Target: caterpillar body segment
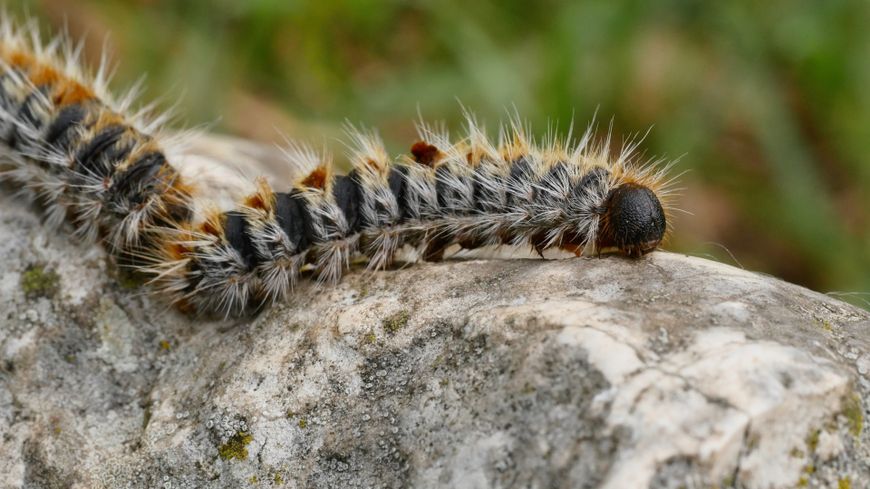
211,247
66,144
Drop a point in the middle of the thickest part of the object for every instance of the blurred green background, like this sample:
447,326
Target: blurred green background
769,102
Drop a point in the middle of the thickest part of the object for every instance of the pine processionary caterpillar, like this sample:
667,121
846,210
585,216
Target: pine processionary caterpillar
90,161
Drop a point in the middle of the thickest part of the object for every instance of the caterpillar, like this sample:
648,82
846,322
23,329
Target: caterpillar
89,160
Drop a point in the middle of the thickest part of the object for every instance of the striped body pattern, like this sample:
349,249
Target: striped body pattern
89,161
69,145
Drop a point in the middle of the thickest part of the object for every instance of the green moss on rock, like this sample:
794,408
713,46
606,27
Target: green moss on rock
37,281
813,441
370,338
854,414
236,446
395,322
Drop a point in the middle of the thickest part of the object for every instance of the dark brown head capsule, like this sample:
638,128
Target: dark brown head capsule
632,221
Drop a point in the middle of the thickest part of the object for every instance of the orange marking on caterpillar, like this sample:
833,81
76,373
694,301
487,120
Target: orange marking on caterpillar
316,179
263,198
425,154
44,75
20,59
70,93
255,202
213,226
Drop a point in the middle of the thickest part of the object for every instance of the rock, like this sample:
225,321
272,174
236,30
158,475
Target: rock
667,372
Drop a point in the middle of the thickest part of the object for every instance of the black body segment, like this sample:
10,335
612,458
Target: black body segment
453,191
347,194
95,158
520,171
592,182
552,182
593,178
397,181
484,193
139,180
237,234
62,132
291,212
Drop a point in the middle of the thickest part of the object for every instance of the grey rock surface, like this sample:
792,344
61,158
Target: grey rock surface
667,372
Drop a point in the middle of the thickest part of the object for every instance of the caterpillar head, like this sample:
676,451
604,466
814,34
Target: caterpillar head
633,220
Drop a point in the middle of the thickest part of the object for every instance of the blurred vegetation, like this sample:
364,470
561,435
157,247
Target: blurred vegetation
768,101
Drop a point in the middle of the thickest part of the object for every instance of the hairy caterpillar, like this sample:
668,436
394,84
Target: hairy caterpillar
91,162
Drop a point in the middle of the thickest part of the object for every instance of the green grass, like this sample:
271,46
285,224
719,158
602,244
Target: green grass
767,101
